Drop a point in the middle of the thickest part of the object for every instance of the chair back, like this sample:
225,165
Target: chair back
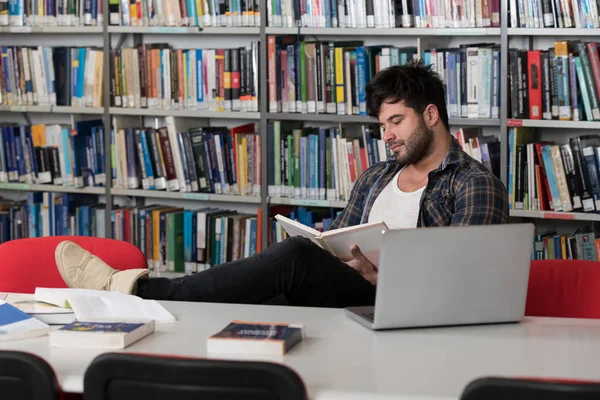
121,376
30,263
497,388
24,376
564,289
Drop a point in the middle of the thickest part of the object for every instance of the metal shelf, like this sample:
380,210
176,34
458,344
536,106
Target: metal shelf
546,123
159,194
365,119
184,113
51,29
553,32
386,31
555,215
185,30
77,110
51,188
26,109
306,202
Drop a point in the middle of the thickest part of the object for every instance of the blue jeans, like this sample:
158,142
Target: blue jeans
297,269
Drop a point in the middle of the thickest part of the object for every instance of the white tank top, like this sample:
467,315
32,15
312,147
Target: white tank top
398,209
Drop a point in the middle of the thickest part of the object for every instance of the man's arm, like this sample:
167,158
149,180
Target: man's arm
481,200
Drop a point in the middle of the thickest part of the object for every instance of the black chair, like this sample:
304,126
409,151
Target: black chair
24,376
121,376
496,388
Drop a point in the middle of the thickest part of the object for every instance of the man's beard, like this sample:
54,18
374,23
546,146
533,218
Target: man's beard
417,146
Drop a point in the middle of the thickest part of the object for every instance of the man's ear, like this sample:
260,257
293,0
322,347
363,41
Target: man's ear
431,115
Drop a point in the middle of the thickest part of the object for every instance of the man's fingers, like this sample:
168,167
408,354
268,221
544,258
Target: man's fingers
355,250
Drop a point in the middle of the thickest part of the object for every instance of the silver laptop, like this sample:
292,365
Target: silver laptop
450,276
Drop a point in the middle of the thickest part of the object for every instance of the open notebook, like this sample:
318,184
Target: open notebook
102,306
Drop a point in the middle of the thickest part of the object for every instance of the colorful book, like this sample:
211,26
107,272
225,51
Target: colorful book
105,335
16,324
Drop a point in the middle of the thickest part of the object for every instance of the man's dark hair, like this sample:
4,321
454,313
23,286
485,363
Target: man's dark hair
414,83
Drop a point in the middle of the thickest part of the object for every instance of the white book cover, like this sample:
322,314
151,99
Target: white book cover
339,241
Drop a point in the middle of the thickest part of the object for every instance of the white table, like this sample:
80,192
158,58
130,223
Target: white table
342,359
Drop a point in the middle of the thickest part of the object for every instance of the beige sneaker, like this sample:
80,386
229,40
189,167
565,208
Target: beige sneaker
81,269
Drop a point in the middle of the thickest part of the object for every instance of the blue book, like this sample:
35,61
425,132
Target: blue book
103,335
16,324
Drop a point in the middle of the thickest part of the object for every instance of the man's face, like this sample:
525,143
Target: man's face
405,132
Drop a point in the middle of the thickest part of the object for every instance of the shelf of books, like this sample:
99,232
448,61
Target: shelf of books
28,187
184,30
373,32
570,216
150,112
550,31
157,194
52,29
306,202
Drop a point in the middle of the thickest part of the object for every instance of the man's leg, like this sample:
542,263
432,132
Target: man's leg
296,268
306,274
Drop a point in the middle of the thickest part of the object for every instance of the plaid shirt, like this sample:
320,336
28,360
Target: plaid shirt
460,192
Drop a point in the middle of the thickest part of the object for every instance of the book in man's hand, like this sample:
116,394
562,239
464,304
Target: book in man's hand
243,337
339,241
101,335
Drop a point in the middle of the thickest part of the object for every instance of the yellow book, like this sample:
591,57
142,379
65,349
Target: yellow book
339,80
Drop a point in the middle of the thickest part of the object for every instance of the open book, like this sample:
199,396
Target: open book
339,241
101,306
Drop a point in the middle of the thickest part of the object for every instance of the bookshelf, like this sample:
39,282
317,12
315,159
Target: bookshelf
113,36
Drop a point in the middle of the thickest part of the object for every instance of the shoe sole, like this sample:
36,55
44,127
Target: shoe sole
59,263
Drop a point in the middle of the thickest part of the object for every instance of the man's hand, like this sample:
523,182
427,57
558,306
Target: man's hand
363,265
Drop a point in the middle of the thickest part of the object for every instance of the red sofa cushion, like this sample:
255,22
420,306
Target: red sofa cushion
29,263
564,288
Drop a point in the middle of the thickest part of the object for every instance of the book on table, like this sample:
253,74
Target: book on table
16,324
244,337
102,306
101,335
339,241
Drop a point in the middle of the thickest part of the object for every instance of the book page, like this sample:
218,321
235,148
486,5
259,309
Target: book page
103,306
294,228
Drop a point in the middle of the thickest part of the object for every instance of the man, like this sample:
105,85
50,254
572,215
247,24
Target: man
429,182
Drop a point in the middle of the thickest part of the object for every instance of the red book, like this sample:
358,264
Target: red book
534,83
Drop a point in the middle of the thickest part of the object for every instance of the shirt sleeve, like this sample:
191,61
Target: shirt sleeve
481,200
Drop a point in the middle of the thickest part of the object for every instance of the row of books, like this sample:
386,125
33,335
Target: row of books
583,244
383,13
471,76
554,14
320,163
558,177
51,214
324,163
63,76
53,154
485,149
201,13
202,159
158,77
174,239
560,83
51,13
325,77
171,238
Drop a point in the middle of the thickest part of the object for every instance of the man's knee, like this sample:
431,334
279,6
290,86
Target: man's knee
300,246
